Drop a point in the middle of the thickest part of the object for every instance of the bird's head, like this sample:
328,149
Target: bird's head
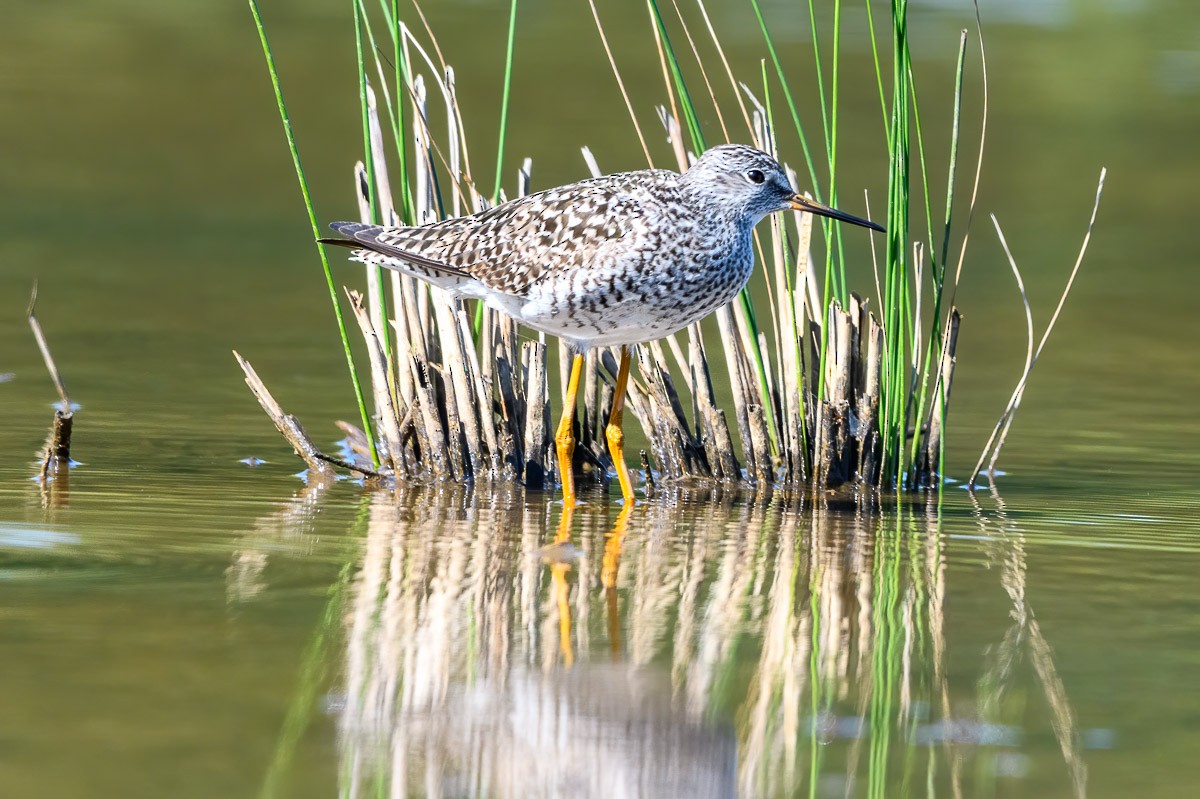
750,182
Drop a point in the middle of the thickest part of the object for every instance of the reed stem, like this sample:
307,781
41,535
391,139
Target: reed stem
312,218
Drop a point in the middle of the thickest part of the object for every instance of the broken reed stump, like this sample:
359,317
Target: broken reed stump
55,456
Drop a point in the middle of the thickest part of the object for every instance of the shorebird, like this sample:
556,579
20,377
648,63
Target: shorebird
611,261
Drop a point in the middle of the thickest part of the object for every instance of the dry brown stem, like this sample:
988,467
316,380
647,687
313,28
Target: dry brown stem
288,425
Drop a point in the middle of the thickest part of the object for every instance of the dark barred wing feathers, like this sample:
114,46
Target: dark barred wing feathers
515,245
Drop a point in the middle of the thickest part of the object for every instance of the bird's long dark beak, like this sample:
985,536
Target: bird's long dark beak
802,203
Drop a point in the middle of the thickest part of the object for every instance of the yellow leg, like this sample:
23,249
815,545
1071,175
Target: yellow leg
563,534
616,439
608,578
612,549
562,592
564,439
562,588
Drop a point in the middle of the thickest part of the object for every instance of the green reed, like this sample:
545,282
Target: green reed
504,98
896,297
312,218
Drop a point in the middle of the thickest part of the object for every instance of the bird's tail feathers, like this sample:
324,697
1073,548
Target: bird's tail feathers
366,240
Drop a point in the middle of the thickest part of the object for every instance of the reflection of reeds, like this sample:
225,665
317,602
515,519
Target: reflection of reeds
1024,633
462,677
474,663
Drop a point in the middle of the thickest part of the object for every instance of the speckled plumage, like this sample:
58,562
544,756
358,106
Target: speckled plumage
618,259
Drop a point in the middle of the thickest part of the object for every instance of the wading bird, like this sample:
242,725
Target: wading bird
612,261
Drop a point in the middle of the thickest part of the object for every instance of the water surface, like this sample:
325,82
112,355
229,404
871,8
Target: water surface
177,623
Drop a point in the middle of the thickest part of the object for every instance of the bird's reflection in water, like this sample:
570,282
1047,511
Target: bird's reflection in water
726,647
559,557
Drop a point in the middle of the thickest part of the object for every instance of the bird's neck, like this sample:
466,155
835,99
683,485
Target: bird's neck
718,212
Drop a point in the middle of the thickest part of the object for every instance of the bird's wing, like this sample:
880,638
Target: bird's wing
514,245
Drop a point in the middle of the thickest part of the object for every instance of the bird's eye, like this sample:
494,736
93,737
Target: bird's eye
755,176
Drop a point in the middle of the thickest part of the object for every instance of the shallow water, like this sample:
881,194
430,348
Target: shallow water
177,623
306,642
